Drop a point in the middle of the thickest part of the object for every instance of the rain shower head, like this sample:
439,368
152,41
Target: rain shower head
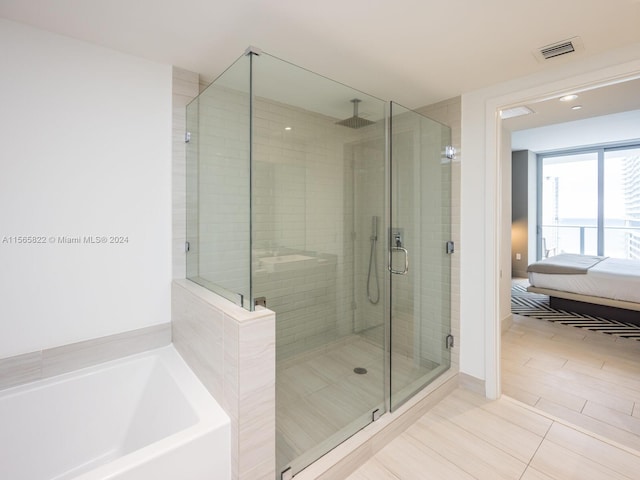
355,121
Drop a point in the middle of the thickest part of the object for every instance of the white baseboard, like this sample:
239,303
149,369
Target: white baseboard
473,384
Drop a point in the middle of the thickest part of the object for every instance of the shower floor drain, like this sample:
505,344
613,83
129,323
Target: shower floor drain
360,370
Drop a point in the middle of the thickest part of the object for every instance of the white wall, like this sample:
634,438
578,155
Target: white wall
505,221
481,229
85,150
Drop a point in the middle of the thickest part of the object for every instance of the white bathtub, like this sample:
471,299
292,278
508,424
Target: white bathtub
143,417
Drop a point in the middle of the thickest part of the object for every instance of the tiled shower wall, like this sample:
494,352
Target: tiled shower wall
302,198
367,177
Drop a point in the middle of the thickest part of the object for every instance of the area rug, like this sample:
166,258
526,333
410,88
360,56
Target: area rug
537,306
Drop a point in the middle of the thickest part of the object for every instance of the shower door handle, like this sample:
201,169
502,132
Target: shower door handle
406,260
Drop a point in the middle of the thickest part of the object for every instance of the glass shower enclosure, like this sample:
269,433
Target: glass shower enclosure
330,207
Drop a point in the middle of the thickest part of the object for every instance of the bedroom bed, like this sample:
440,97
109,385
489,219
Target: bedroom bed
599,286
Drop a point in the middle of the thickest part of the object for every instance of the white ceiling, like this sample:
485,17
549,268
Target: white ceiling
415,52
608,114
616,98
606,129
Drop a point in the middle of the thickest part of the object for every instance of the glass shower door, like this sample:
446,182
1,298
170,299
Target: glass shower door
419,265
318,164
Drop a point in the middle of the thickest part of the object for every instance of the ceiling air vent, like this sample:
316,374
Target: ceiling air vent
559,48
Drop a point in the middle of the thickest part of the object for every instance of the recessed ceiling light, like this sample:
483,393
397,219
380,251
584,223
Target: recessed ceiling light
576,107
287,128
568,98
515,112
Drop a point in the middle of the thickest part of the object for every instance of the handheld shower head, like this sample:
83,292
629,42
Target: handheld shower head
374,227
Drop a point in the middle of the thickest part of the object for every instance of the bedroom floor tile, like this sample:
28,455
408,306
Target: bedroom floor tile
534,386
566,390
590,424
590,379
520,395
612,417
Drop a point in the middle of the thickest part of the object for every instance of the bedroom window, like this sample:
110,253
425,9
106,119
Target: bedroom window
589,202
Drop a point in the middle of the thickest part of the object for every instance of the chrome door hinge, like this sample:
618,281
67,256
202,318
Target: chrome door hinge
376,414
286,474
450,152
260,302
449,341
450,246
187,137
187,247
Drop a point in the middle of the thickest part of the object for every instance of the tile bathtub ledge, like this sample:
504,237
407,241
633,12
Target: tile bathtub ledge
240,314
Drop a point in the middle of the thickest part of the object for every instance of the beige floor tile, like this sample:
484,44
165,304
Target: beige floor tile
591,424
301,380
624,366
467,436
595,449
520,415
546,362
501,433
408,459
533,383
563,464
515,356
600,383
568,389
481,459
301,428
626,383
373,470
596,388
329,368
508,410
523,396
533,474
612,417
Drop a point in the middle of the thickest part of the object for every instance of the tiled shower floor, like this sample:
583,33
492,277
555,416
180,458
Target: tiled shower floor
319,396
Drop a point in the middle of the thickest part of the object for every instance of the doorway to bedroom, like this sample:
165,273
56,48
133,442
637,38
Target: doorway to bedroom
584,375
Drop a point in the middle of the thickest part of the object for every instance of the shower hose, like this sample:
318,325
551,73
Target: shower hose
373,267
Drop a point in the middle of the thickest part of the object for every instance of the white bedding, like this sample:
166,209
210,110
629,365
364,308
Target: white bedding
611,278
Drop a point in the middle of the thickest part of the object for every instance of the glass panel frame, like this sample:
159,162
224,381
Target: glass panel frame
420,298
218,185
